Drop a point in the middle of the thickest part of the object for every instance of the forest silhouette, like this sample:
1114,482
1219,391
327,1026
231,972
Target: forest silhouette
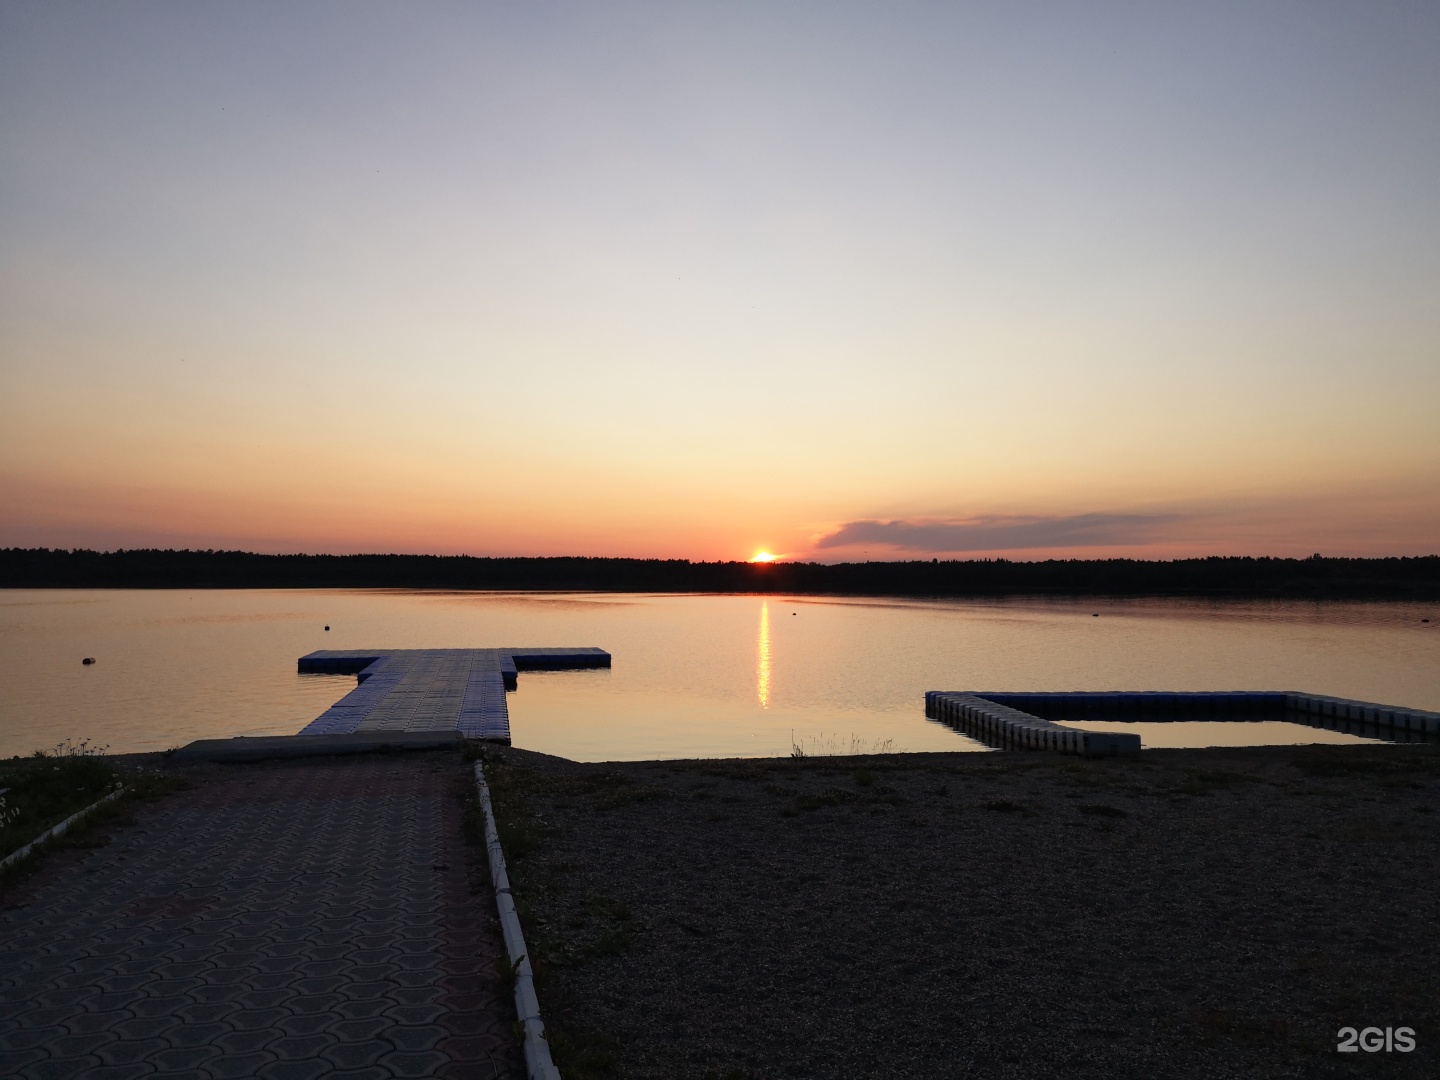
1412,578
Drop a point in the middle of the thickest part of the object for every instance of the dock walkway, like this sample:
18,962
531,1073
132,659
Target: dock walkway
433,689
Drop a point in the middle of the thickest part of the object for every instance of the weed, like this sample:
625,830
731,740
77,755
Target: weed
583,1054
473,750
1101,810
1368,832
521,835
605,782
7,813
1220,777
612,942
506,972
1209,781
823,745
630,795
1004,806
521,830
832,797
1341,761
43,790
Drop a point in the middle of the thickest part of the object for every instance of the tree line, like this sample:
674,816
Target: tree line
1416,578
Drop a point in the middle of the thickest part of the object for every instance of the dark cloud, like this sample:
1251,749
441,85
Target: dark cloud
993,533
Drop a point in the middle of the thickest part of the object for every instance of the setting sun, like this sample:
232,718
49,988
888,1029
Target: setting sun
762,556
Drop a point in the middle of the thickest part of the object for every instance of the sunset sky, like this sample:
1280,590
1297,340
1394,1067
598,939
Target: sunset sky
830,280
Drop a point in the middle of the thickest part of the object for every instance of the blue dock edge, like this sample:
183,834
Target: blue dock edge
1027,721
362,662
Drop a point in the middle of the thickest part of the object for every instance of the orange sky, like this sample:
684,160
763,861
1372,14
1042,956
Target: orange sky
686,282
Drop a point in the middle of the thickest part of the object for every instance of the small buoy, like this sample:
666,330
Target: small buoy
327,628
88,660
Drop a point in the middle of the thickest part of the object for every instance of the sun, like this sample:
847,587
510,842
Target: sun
762,556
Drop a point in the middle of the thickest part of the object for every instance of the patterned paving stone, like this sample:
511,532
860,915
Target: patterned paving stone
286,920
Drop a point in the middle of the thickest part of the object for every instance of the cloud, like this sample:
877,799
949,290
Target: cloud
997,533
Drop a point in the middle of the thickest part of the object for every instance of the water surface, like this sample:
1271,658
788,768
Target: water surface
693,675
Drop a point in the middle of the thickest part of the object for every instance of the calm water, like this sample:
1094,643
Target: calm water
693,675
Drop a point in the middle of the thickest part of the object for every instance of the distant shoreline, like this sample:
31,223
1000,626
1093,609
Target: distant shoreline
1231,577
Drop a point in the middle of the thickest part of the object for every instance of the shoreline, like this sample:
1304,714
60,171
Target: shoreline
1220,577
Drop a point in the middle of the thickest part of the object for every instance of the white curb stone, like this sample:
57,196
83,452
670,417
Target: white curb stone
538,1065
50,834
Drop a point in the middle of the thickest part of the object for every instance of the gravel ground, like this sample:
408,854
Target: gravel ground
1184,913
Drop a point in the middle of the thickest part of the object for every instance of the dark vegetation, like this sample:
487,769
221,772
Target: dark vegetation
1415,578
44,789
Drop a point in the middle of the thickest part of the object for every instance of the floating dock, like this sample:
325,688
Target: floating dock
432,690
1028,721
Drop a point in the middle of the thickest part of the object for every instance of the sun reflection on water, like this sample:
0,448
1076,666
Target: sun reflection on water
762,657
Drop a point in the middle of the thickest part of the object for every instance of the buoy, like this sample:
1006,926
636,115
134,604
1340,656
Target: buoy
327,628
1094,614
88,660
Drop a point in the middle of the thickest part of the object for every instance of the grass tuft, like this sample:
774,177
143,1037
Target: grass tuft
583,1054
39,792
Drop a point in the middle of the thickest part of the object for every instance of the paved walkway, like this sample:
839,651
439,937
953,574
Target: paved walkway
284,920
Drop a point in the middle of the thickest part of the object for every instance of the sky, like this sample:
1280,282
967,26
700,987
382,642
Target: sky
834,281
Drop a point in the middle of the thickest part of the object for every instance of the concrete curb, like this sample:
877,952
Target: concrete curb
56,830
279,747
538,1065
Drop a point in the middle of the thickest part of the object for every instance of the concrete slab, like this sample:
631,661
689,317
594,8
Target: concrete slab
280,747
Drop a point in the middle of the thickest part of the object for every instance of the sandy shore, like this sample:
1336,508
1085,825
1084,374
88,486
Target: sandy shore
1218,913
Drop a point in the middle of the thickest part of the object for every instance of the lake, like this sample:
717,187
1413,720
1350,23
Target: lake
693,675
